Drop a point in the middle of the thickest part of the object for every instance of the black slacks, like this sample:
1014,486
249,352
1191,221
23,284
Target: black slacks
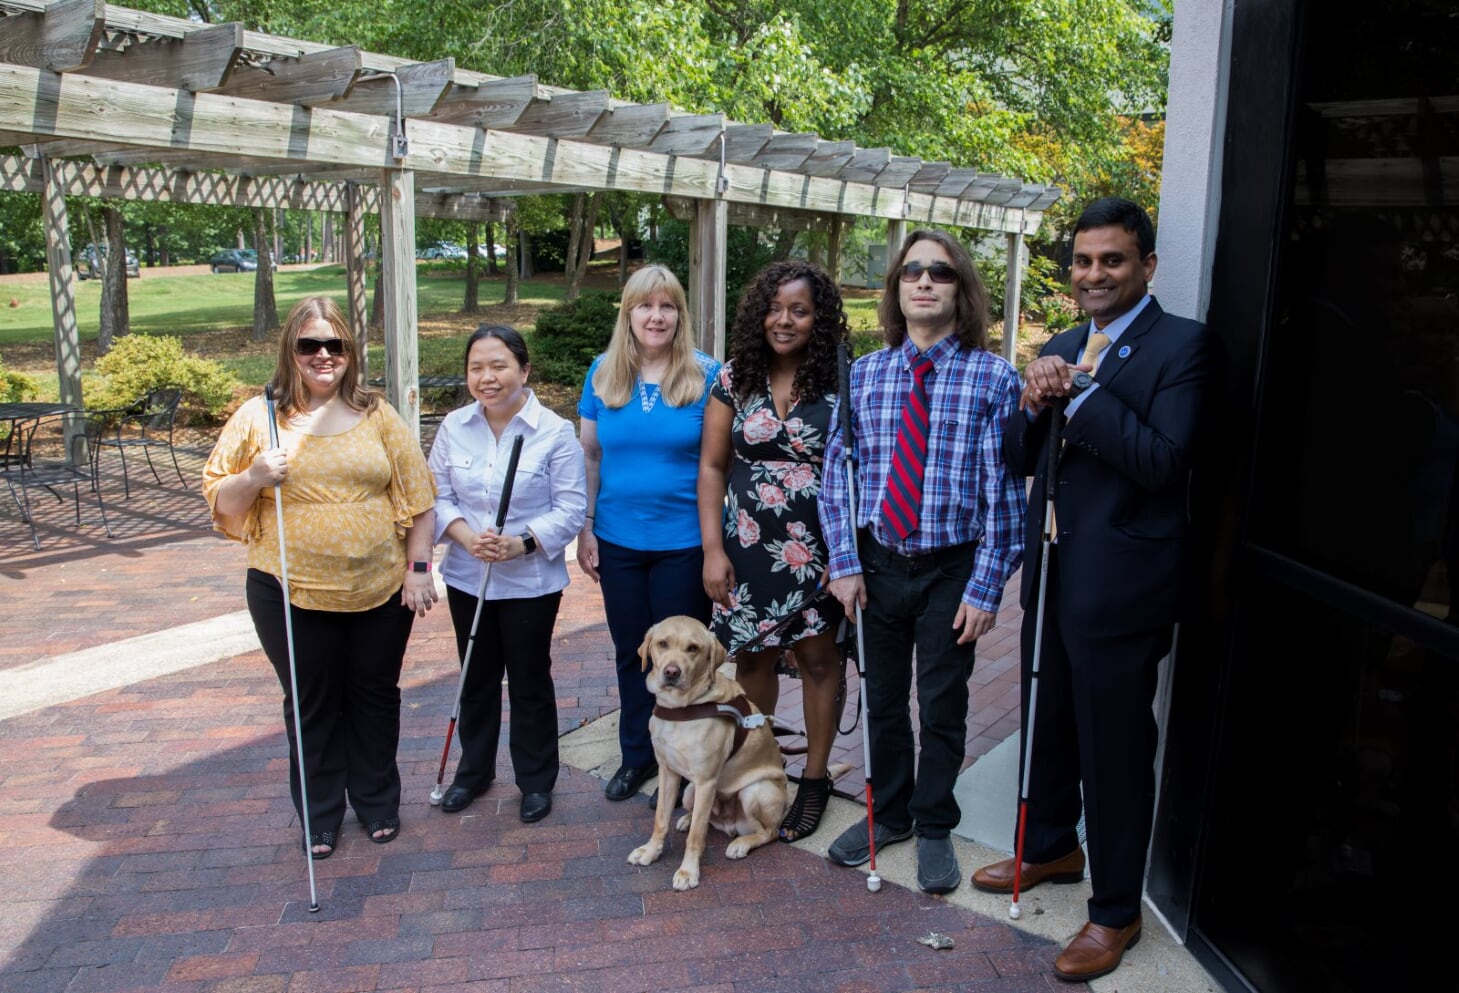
1095,728
911,603
348,666
514,637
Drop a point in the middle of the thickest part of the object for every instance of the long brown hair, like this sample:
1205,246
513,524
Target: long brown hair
683,383
289,389
971,300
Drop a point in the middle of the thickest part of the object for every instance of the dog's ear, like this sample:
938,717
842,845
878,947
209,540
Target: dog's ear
717,653
645,654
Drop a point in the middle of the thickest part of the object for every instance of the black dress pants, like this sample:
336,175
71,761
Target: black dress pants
348,666
514,637
1094,749
911,603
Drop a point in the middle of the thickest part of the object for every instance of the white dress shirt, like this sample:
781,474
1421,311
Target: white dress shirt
549,496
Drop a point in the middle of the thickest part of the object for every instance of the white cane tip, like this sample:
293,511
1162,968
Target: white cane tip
873,883
1014,912
436,798
314,908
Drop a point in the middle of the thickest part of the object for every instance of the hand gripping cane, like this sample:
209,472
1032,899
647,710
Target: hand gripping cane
437,794
273,440
1056,425
843,363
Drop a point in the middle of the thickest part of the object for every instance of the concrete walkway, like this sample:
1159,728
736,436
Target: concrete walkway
147,841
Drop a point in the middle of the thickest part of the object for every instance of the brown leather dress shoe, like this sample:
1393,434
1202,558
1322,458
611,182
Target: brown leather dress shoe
1096,951
998,877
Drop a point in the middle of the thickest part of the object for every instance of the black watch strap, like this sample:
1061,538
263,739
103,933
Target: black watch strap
529,543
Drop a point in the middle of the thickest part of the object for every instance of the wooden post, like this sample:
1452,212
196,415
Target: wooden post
708,238
397,257
896,234
354,264
63,303
1012,291
833,247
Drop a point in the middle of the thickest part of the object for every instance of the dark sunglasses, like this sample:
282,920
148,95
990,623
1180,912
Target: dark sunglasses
940,272
311,346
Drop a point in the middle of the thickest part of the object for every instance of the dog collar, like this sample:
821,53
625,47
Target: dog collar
738,710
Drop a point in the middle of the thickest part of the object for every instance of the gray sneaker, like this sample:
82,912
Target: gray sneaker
937,869
851,849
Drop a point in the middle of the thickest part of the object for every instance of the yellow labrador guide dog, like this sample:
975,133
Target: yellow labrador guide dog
706,731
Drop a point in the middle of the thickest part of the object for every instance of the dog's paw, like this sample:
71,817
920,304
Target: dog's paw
645,854
738,849
682,824
685,880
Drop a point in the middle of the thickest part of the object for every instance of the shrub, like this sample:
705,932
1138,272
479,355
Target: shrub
1060,312
138,363
16,386
570,335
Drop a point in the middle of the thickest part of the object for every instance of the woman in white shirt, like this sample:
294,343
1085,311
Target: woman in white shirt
528,565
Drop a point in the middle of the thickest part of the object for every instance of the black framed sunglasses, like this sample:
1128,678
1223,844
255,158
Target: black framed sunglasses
940,272
311,346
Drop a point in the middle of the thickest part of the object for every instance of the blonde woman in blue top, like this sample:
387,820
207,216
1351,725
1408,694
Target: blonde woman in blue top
642,413
528,563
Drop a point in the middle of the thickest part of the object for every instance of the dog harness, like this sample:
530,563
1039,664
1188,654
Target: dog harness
737,710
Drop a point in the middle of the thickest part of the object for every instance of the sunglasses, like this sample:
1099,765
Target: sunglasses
311,346
940,272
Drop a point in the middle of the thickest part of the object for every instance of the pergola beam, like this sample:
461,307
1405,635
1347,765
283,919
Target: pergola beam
59,37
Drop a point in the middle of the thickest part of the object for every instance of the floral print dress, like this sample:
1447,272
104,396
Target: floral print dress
771,530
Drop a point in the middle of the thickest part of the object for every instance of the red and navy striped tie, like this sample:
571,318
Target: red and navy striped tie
901,508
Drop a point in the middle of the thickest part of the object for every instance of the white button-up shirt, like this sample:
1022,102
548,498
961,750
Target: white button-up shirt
549,496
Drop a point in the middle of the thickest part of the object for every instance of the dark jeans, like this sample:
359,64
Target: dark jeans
348,666
514,637
911,604
639,590
1095,728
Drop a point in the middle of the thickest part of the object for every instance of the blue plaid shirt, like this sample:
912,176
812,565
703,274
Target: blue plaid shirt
967,492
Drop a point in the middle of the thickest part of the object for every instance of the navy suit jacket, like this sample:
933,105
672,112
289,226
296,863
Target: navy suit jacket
1122,478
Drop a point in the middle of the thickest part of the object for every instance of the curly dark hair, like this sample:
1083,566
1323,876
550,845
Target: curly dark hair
749,352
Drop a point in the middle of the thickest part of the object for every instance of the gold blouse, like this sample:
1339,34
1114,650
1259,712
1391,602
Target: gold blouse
348,500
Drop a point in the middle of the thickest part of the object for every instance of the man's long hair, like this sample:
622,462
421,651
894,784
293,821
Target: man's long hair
971,299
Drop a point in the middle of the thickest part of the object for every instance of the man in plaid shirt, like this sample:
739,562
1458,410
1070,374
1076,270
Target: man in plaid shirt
925,553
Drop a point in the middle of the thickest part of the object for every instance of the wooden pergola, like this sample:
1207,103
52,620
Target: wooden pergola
113,102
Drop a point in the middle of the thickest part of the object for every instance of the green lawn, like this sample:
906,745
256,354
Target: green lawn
188,304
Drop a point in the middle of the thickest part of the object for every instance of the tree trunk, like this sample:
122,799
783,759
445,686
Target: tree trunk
581,224
784,242
490,248
470,304
524,254
115,315
514,249
265,307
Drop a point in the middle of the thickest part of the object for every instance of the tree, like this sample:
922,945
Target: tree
115,307
265,307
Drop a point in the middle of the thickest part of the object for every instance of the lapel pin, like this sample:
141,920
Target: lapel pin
1124,351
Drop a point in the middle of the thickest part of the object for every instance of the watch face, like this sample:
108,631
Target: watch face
1082,382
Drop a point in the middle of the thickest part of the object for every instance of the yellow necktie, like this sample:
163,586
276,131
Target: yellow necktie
1098,342
1093,350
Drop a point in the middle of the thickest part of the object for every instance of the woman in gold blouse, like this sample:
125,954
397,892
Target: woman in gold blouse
358,527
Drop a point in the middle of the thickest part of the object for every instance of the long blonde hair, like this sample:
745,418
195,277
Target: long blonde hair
289,389
617,374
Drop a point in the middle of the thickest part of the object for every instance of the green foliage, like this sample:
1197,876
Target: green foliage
570,335
16,386
138,363
1060,312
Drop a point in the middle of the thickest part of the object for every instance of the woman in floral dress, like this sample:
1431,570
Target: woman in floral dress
760,466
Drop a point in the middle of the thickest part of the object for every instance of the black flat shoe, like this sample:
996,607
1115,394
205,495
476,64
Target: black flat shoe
628,779
329,838
535,806
458,798
388,824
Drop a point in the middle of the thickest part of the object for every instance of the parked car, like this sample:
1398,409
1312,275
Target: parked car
441,250
234,260
89,260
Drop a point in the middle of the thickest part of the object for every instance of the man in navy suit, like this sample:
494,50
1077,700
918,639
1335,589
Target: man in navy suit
1115,573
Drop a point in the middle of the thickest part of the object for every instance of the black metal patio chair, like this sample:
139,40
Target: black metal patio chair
57,451
147,424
